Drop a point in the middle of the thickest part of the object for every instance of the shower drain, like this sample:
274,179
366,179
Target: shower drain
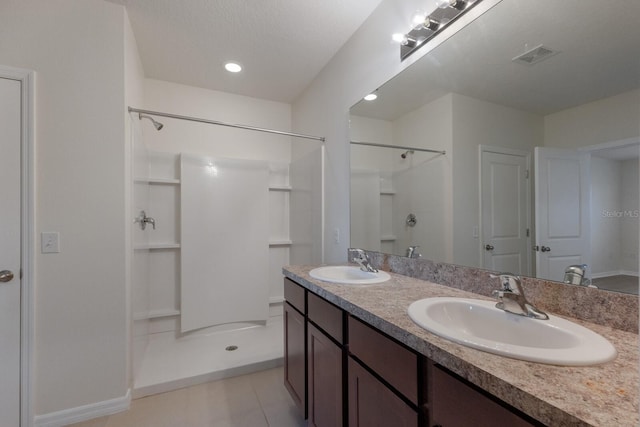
231,348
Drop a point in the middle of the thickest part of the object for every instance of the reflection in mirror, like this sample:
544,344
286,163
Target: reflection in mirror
541,166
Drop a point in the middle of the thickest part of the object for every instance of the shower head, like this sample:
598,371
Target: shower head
404,155
156,124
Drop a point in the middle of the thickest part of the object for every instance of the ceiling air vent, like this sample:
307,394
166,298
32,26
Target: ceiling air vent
535,55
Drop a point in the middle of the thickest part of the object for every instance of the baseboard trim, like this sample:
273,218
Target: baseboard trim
84,413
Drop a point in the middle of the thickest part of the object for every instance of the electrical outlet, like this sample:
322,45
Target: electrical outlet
336,236
50,242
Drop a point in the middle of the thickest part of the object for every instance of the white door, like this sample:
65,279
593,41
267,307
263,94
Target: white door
505,210
562,210
10,125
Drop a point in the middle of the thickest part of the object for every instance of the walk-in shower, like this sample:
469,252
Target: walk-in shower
187,320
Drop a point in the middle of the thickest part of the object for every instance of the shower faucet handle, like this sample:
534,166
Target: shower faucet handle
143,220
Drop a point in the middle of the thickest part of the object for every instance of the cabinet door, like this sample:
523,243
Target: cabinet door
325,380
372,404
294,356
454,403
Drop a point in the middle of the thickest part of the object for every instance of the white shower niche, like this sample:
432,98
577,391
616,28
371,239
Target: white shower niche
196,237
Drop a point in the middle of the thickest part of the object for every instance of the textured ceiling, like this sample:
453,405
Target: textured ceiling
281,44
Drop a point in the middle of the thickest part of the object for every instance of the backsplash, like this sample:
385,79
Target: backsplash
617,310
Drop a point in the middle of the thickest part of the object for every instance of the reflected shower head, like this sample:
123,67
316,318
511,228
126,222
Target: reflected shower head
156,124
404,155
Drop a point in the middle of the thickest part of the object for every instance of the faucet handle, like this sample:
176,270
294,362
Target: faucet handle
509,281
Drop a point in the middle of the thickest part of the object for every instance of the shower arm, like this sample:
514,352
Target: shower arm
401,147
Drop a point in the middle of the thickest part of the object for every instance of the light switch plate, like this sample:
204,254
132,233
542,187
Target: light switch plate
50,242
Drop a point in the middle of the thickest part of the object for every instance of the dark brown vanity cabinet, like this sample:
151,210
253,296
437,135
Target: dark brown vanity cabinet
295,344
318,335
456,403
383,384
341,371
325,359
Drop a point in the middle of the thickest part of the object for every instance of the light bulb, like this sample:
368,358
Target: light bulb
417,19
232,67
403,39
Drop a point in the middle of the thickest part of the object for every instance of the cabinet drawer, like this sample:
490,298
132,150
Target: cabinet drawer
394,363
326,315
294,294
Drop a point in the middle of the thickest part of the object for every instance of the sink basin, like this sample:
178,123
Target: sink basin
348,275
479,324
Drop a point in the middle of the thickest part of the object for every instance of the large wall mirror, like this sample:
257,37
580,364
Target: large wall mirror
536,106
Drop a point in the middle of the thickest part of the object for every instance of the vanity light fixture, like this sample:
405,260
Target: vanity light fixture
456,4
426,25
431,24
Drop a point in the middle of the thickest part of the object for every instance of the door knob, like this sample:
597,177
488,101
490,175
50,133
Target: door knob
489,247
6,276
545,248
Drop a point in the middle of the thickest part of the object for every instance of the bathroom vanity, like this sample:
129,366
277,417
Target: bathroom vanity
354,357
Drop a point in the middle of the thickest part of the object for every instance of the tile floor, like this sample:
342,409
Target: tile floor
253,400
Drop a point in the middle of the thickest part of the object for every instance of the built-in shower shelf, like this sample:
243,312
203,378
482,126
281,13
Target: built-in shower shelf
153,246
389,238
274,243
279,188
157,181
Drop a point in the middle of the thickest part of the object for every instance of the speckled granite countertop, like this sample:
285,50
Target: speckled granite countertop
601,395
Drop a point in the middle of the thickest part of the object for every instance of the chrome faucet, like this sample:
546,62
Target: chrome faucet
412,252
511,297
360,257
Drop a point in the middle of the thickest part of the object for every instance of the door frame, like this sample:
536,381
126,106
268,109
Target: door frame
27,235
482,148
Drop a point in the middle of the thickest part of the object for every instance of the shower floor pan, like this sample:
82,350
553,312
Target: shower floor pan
170,363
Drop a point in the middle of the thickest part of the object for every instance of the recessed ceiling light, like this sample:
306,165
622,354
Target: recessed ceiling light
370,97
232,67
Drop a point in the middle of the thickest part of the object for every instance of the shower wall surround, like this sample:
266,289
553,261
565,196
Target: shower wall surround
224,241
165,243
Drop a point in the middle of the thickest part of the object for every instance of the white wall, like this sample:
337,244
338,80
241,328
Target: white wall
609,119
365,62
76,48
482,123
201,138
137,196
425,188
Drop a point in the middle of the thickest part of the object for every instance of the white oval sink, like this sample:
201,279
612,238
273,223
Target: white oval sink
349,275
479,324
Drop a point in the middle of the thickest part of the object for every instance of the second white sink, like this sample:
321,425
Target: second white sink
479,324
348,275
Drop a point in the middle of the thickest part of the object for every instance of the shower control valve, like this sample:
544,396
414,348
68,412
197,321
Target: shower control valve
143,220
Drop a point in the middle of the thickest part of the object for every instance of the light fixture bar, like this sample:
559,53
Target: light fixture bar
446,12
